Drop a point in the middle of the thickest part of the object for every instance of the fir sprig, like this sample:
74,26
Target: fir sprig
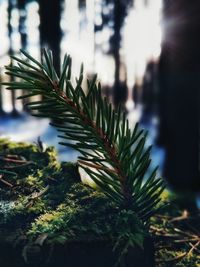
112,154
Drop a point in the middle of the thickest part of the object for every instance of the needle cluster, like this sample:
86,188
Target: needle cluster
112,154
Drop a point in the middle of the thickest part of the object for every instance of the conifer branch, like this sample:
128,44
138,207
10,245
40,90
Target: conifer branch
113,155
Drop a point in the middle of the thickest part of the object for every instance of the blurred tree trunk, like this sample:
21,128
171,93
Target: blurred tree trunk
1,99
50,31
115,18
21,4
11,52
119,14
116,42
179,93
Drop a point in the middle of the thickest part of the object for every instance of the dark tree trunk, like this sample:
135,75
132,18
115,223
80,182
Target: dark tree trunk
179,94
120,11
21,4
11,52
50,31
1,99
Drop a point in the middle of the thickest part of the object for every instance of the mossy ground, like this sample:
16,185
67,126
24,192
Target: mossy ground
44,201
176,231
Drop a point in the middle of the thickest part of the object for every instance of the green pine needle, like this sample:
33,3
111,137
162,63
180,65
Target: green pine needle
113,155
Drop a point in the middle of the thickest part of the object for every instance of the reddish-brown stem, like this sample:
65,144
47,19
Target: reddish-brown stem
108,145
18,161
5,182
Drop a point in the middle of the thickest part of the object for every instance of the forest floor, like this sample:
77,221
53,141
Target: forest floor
176,230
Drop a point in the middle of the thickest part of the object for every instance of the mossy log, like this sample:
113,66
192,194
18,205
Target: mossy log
50,218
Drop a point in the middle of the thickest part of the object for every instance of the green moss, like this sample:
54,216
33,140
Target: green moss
37,183
83,213
49,198
88,215
23,167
